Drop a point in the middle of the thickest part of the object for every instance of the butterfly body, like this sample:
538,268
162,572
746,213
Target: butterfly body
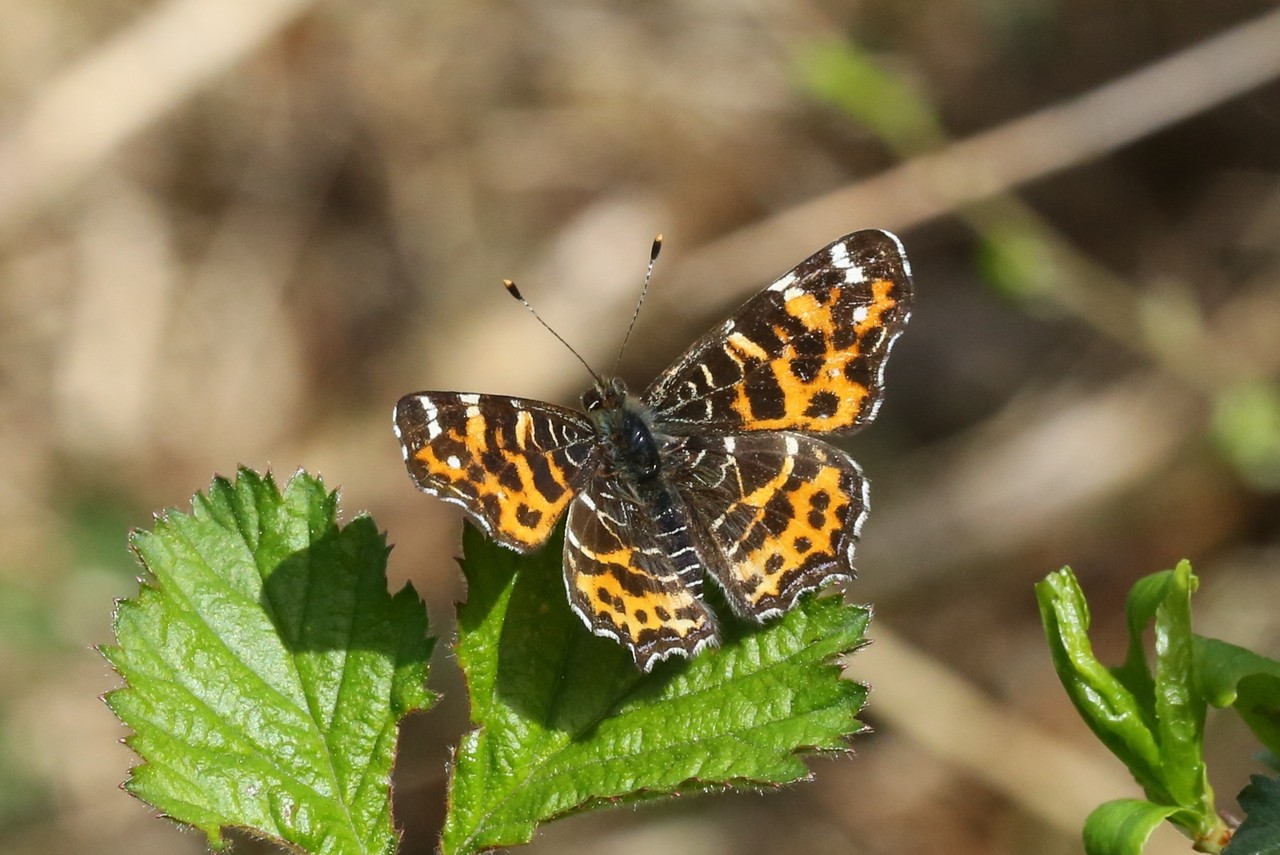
714,471
626,432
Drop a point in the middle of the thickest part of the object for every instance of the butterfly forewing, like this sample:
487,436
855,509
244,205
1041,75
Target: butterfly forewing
778,514
806,354
512,464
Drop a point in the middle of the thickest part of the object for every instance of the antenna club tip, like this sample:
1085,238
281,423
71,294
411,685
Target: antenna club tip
512,289
657,246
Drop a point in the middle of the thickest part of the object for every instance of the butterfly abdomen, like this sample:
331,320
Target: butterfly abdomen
671,528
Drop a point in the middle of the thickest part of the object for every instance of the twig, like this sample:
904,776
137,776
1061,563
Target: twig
1028,148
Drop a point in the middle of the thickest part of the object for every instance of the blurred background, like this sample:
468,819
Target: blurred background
236,232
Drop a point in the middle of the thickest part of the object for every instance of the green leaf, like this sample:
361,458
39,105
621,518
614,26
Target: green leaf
1016,258
1246,425
566,722
1103,701
267,668
1180,710
850,79
1236,677
1122,827
1144,599
1154,724
1259,834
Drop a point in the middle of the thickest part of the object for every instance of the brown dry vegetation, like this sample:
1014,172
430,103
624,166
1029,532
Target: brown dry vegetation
235,232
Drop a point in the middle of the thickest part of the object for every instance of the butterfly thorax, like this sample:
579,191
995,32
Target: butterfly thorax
631,447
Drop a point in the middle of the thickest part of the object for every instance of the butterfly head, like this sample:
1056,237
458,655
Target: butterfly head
605,395
625,429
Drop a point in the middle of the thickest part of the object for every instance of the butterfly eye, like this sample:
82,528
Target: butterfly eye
591,400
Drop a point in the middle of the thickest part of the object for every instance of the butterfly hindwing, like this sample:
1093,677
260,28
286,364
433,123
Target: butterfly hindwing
623,584
806,354
512,464
779,514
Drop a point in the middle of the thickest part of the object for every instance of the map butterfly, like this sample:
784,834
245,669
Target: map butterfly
713,471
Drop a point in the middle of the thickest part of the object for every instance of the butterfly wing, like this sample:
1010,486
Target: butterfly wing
805,354
777,514
624,586
512,464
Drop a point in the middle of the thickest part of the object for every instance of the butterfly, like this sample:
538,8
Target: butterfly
714,471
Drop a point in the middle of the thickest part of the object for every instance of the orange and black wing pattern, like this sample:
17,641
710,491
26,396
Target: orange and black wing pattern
512,464
806,354
778,515
626,586
716,471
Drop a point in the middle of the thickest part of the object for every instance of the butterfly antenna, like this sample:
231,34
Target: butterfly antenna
515,292
653,257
